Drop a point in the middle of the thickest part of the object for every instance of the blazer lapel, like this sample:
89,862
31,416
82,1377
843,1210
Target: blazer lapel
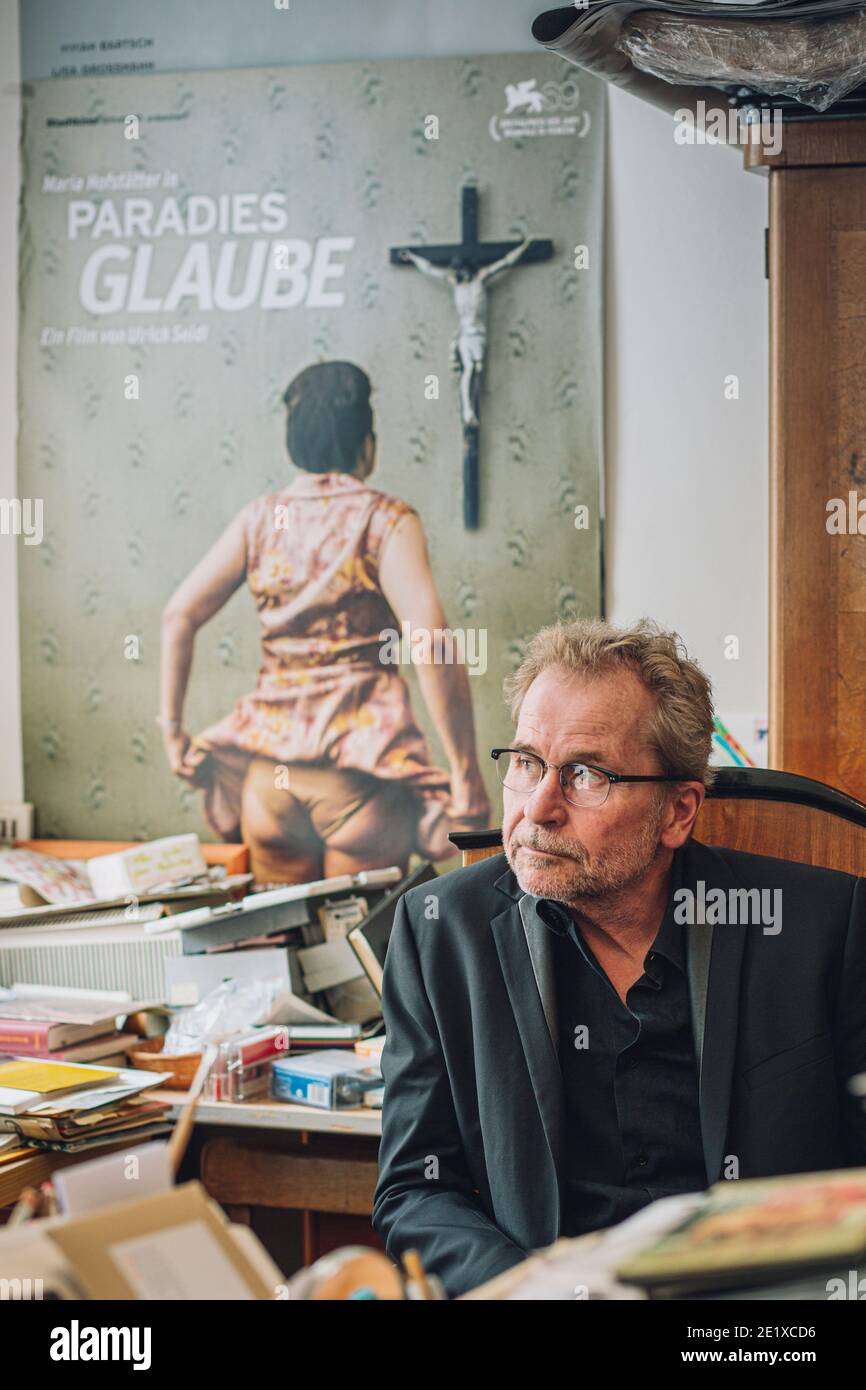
699,943
522,943
715,956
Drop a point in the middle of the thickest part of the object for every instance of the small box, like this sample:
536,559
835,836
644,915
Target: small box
327,1079
242,1069
152,864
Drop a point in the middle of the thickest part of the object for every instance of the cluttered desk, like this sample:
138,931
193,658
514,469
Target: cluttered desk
226,1044
121,968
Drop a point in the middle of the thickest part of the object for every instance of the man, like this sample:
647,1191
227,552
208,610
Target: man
571,1031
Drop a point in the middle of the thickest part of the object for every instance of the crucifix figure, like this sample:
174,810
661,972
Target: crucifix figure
470,300
468,268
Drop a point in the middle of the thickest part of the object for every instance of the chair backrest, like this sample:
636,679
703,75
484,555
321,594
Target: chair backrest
762,812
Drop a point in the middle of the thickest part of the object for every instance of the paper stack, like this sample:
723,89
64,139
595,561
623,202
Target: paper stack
67,1107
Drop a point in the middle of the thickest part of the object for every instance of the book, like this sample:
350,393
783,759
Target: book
52,880
117,1116
122,1086
25,1082
117,1059
747,1231
317,1042
96,1049
97,1141
31,1037
323,1032
36,1020
122,1118
369,939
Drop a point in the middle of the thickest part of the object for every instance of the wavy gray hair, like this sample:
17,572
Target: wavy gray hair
681,730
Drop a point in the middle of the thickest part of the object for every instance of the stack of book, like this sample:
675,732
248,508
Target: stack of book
64,1025
758,1234
312,1037
66,1107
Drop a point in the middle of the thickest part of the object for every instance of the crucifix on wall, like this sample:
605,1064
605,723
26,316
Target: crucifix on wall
468,267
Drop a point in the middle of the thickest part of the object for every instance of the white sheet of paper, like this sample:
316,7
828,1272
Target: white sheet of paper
590,1273
179,1262
116,1177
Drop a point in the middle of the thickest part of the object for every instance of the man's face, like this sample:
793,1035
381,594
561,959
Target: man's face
566,852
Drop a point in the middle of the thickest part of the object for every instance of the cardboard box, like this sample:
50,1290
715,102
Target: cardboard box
171,1246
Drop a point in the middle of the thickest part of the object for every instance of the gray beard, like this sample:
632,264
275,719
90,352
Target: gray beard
619,868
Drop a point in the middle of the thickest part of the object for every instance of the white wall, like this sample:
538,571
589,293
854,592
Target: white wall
10,688
687,485
687,305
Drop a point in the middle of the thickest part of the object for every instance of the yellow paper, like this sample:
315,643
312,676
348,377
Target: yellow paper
50,1076
8,1155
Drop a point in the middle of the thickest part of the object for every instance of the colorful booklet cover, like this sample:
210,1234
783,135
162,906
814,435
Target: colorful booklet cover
752,1228
24,1082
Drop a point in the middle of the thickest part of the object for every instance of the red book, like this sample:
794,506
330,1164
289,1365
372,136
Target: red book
96,1049
17,1034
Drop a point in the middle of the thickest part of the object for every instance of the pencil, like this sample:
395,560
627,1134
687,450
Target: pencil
415,1271
183,1129
25,1208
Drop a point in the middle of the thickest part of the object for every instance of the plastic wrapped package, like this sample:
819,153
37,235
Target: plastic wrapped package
234,1006
816,63
678,54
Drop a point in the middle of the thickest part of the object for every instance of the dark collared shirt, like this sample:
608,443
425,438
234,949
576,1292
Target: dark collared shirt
633,1130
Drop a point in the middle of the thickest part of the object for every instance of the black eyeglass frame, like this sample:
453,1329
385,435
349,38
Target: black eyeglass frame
612,777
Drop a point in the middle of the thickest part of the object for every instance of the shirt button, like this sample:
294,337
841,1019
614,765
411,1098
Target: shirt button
641,1160
632,1061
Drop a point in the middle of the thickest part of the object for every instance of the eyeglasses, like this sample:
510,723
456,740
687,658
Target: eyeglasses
583,784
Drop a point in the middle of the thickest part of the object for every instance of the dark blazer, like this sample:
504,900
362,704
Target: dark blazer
471,1162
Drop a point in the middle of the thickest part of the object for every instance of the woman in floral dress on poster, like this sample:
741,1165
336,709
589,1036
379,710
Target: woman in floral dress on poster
322,770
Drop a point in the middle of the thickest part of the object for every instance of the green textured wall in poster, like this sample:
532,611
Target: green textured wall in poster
159,331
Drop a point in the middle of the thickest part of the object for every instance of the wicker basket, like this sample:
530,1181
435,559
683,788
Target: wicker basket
149,1056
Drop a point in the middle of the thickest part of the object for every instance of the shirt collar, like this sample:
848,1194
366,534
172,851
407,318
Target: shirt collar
325,485
669,937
